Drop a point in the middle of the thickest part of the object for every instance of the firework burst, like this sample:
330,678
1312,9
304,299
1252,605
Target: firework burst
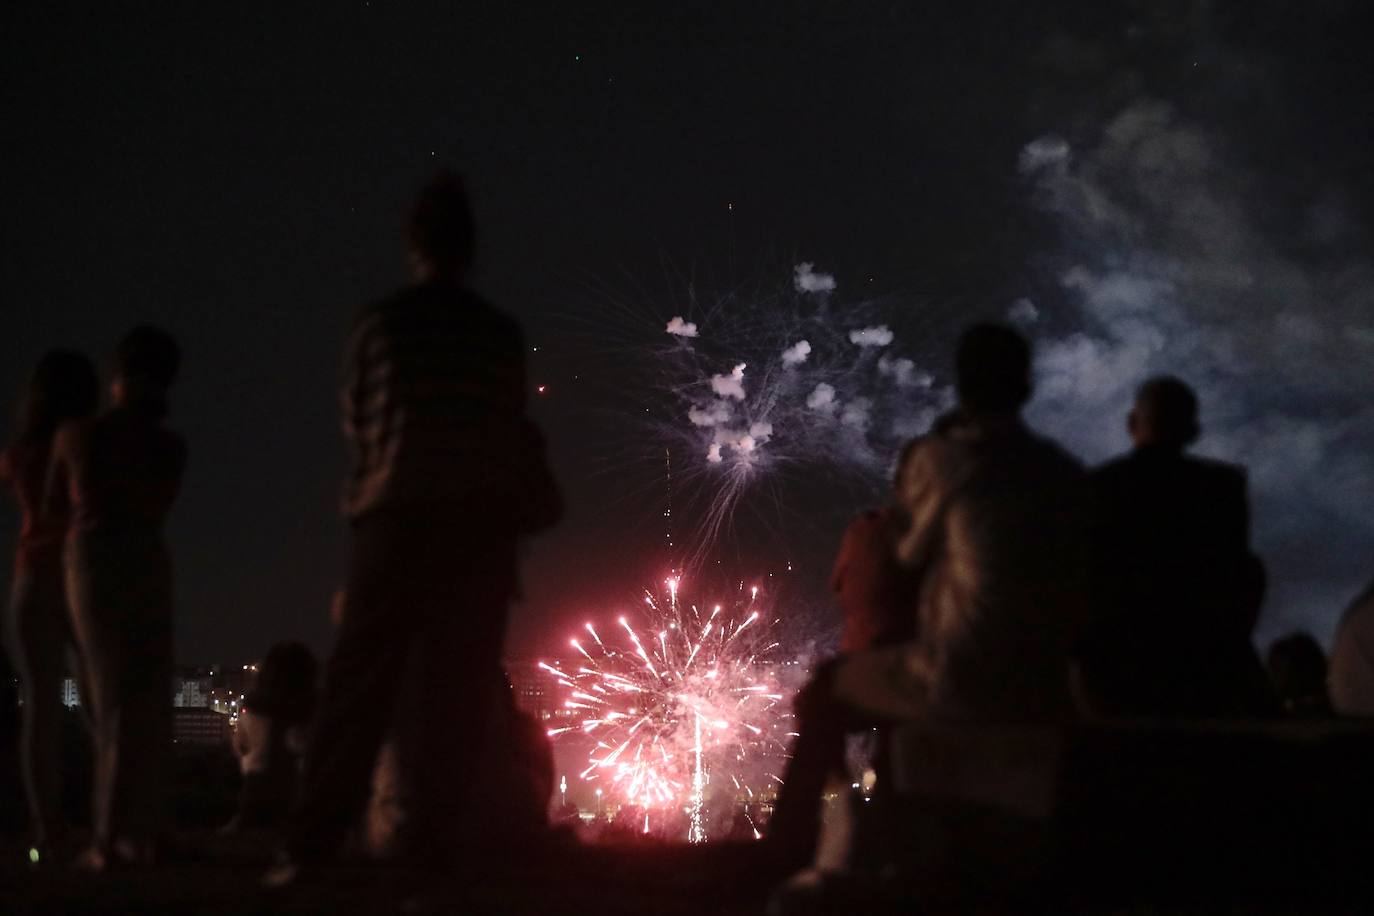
791,381
683,702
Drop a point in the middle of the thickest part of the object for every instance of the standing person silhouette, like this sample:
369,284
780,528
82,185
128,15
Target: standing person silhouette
114,478
64,386
448,474
1176,590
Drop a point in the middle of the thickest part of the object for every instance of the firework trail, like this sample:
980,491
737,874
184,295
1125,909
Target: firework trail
681,700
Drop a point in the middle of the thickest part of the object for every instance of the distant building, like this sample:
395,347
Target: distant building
193,727
71,697
192,688
527,685
537,692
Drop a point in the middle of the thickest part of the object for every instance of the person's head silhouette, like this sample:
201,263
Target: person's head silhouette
64,386
145,366
1165,414
992,370
441,232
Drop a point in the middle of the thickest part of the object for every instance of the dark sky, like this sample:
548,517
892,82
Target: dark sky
238,173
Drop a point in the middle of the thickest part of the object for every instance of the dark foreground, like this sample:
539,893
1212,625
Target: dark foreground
1137,819
579,879
722,880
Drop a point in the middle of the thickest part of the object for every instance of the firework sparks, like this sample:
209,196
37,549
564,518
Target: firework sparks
683,707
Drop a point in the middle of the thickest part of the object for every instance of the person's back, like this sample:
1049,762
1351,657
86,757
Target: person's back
997,541
434,397
24,470
1176,590
122,471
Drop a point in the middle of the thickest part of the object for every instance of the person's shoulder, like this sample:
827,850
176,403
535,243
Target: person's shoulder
1221,471
1056,457
377,310
929,451
75,432
1113,470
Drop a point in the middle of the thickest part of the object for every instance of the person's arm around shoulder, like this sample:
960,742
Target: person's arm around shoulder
56,505
919,495
353,372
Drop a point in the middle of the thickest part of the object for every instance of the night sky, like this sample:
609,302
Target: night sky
239,173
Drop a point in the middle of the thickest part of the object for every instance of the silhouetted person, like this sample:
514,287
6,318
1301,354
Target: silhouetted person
996,548
1351,678
872,587
447,475
1297,667
63,387
271,734
115,478
1176,590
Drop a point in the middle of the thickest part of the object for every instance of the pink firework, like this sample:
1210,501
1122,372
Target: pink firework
682,702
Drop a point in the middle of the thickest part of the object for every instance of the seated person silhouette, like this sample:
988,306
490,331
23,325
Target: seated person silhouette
871,587
1176,591
271,733
995,552
1351,677
1297,665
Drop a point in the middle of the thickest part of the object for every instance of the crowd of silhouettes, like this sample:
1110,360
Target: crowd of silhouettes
1008,585
1005,583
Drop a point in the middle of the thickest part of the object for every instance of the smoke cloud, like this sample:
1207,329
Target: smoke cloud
903,372
879,336
796,354
1178,258
730,386
822,398
1023,313
680,328
807,280
714,414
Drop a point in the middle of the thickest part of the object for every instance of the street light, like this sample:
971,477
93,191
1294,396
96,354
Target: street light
563,789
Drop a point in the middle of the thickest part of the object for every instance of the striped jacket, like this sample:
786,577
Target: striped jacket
433,410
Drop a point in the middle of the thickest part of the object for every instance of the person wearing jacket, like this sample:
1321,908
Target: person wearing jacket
996,552
1176,590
